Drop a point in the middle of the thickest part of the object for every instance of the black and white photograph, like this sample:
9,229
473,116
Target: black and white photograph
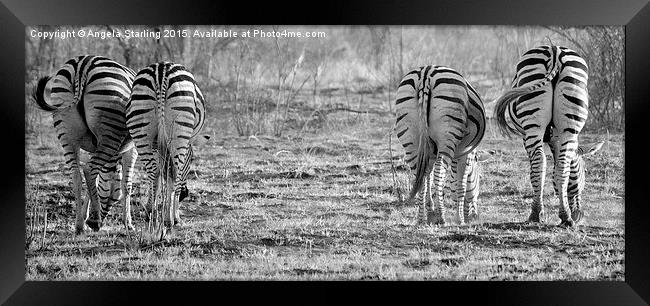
397,152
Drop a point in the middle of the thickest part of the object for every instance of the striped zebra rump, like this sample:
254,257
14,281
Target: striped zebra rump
536,70
439,117
165,115
87,98
549,97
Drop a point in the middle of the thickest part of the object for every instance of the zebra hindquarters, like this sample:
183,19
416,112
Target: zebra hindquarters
569,117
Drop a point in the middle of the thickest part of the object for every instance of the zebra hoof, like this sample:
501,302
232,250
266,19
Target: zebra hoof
577,215
534,217
567,223
472,217
129,228
168,224
79,231
94,224
178,222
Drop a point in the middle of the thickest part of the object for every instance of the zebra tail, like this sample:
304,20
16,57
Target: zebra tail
513,94
38,94
500,110
166,171
423,156
163,148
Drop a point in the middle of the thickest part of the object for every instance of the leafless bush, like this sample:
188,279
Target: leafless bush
251,101
288,86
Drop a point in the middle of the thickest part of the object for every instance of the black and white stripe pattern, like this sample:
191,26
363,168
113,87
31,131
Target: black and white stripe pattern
549,95
576,174
165,114
87,97
472,167
440,117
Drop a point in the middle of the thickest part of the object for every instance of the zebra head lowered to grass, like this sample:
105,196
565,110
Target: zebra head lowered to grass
165,114
576,171
548,103
440,118
470,165
87,97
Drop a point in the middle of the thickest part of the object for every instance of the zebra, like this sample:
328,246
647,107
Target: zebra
576,172
473,168
439,117
548,103
87,97
164,115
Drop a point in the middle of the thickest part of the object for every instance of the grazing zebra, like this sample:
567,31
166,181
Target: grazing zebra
440,118
473,166
576,173
549,100
165,114
87,97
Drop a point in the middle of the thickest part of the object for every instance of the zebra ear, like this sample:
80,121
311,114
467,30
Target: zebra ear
482,156
586,151
200,140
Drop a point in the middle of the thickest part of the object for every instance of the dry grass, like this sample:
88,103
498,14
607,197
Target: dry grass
322,203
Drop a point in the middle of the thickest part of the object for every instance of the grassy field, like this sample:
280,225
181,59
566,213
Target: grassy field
322,203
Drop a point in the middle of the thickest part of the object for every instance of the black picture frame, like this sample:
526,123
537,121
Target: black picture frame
633,14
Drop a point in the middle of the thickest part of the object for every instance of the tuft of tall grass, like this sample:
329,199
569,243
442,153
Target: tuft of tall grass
37,220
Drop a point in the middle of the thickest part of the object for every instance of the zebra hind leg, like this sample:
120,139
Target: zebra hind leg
128,163
81,204
576,211
573,197
472,213
101,163
459,182
176,204
437,184
169,194
74,168
180,192
94,211
537,175
561,176
576,184
423,202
